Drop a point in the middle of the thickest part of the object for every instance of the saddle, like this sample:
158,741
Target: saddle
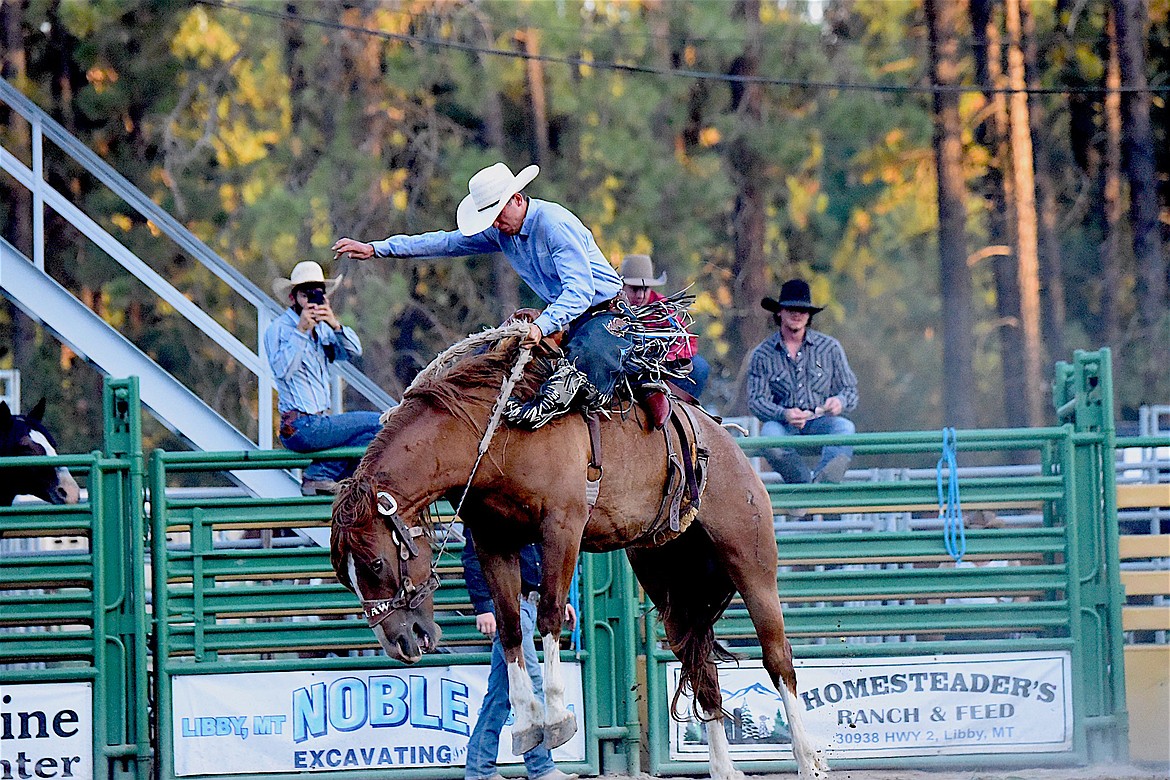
686,475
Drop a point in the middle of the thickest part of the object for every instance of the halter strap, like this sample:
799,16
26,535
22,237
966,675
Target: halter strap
409,595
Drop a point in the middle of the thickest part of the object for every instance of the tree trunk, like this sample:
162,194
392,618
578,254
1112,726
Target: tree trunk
1026,230
536,95
1052,309
1142,173
1111,194
749,324
955,276
505,279
998,190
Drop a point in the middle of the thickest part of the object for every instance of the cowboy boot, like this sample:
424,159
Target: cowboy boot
554,397
655,402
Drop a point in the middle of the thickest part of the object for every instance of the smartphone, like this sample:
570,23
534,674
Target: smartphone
315,295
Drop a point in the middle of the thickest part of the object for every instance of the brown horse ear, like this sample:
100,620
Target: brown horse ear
5,416
38,411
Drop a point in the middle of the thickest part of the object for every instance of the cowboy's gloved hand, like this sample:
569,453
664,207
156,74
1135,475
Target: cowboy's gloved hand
351,248
532,337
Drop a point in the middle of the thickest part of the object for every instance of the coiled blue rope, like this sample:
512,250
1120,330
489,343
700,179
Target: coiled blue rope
575,600
950,510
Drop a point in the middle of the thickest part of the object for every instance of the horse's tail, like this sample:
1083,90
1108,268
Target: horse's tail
354,508
691,590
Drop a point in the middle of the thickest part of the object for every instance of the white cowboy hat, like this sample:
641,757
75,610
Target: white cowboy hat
488,193
306,272
638,271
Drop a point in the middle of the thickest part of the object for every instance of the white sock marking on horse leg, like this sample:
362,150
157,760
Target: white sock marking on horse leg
554,682
719,752
810,761
525,705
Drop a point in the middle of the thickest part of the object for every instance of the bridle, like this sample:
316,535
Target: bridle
409,595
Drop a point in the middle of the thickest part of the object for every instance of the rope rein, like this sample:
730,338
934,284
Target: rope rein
437,367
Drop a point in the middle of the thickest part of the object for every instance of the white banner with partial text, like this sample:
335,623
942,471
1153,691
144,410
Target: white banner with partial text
903,706
326,721
46,730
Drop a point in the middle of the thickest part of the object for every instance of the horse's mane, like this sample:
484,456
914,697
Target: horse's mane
355,510
472,380
466,375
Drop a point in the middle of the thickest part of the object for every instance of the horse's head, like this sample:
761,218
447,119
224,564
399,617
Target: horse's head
24,436
381,551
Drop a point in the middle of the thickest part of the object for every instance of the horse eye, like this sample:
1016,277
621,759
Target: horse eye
376,565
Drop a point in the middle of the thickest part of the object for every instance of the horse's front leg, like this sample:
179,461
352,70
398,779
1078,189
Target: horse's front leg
560,549
502,573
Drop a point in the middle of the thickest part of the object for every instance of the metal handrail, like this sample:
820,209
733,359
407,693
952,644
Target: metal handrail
43,126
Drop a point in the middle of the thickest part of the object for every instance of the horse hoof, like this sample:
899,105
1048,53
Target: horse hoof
557,734
526,740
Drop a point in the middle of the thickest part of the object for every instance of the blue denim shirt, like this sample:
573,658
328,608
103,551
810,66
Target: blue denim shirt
554,253
300,364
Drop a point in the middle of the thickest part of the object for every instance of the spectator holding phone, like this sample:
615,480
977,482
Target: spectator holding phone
302,344
799,382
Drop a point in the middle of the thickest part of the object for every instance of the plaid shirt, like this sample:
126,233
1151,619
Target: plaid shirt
777,382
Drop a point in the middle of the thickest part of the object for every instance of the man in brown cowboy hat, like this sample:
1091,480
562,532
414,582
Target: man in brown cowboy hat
301,345
638,281
799,382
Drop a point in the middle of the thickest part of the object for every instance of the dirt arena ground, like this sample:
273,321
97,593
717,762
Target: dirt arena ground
1073,773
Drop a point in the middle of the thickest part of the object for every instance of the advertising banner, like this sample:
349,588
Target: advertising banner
46,730
323,721
906,706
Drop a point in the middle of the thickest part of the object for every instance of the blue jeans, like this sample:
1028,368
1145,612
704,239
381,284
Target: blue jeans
323,432
787,462
596,351
484,746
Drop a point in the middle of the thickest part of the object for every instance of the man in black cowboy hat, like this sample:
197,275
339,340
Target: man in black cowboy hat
799,382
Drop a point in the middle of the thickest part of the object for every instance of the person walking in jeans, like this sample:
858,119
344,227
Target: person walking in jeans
301,344
484,745
799,382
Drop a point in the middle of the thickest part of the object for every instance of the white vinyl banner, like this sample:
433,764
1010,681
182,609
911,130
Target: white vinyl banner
323,721
910,706
46,730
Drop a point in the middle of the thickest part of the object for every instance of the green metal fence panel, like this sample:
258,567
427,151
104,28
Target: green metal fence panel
72,603
861,595
227,588
221,607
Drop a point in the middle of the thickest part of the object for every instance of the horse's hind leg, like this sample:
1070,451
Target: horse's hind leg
690,594
747,546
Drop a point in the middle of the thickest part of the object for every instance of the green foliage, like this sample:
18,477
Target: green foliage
272,138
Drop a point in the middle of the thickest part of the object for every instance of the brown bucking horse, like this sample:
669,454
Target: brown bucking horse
531,487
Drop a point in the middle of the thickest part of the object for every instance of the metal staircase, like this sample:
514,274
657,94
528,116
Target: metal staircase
38,295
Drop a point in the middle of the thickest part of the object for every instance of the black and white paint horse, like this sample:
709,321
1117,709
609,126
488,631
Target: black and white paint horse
26,435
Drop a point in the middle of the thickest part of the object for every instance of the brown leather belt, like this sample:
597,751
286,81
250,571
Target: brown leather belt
288,418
